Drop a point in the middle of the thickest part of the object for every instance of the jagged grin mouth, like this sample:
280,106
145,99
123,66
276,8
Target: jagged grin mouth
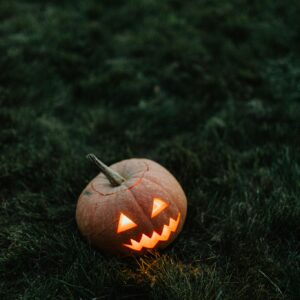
150,242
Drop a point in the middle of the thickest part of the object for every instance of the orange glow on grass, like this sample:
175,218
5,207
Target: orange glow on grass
125,223
150,242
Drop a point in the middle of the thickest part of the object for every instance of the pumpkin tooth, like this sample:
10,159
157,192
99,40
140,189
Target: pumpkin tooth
145,240
134,245
165,233
174,224
150,242
154,240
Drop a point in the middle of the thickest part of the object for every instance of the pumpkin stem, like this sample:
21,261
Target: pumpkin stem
114,178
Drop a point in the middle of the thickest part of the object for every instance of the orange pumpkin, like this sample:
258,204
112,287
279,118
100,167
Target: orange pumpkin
130,207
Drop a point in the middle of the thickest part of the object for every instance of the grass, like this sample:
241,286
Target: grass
209,89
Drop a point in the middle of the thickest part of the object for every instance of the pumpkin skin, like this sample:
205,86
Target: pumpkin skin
150,203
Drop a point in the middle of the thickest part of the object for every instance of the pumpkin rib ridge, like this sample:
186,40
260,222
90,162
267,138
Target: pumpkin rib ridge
107,200
107,226
144,214
163,189
150,220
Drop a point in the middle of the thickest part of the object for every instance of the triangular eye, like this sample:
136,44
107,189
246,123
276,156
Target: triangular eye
125,223
158,206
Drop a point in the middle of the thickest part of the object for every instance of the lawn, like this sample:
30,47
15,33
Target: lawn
210,89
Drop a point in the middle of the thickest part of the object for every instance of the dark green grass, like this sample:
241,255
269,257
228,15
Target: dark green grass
209,89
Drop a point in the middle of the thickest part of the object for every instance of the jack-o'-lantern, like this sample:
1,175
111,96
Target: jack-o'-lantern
132,206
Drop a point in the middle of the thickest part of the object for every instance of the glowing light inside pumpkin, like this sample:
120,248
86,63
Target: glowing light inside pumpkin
125,223
158,206
150,242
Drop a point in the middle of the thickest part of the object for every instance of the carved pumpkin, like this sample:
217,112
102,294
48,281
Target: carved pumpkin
130,207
